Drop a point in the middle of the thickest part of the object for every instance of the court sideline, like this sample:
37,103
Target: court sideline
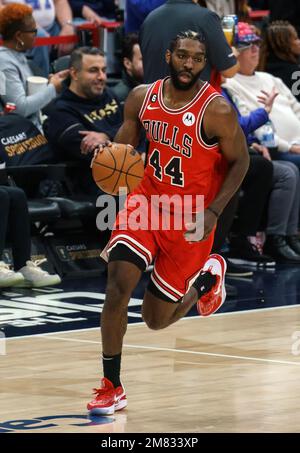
233,372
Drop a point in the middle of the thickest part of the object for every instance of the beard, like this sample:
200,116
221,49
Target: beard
176,81
92,92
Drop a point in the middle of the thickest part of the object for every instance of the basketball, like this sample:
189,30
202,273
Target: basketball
117,166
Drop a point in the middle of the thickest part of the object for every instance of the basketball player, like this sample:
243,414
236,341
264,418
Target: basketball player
196,147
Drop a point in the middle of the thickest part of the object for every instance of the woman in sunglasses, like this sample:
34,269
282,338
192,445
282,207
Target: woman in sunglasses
18,30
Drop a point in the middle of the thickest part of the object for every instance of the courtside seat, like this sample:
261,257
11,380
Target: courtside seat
69,206
43,210
75,207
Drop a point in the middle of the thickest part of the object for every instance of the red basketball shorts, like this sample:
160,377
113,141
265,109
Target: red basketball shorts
176,262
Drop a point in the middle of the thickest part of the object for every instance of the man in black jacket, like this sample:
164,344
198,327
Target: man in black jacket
84,115
165,22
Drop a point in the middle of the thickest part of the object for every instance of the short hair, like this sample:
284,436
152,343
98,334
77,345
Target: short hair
129,41
77,54
12,18
188,34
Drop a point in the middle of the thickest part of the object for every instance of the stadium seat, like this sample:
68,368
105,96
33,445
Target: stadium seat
66,206
61,63
73,208
43,211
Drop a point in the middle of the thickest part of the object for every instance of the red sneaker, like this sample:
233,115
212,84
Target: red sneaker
210,302
108,399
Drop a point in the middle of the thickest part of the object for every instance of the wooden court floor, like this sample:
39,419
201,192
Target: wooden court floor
236,372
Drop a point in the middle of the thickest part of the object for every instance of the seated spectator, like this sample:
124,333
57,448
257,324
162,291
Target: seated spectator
84,115
249,210
15,220
280,54
245,216
246,86
18,29
53,17
22,143
39,56
132,61
282,242
93,10
132,76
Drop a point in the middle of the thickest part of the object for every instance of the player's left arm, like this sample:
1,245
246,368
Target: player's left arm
129,132
220,121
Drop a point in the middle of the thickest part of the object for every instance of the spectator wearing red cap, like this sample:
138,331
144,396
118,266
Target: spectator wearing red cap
246,89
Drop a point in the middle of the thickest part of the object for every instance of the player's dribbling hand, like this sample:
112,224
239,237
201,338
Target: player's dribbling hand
91,140
99,149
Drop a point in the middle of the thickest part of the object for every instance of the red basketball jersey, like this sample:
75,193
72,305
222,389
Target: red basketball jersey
179,159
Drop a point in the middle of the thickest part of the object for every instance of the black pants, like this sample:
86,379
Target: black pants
14,219
256,189
250,207
225,223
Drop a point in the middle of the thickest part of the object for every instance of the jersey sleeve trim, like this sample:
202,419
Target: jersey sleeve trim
200,120
146,99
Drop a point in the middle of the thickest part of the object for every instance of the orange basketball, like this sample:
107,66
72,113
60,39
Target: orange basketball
117,166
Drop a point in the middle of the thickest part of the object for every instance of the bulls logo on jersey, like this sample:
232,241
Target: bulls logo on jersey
177,154
188,119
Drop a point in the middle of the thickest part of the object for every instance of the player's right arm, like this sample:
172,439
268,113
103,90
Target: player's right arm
129,132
